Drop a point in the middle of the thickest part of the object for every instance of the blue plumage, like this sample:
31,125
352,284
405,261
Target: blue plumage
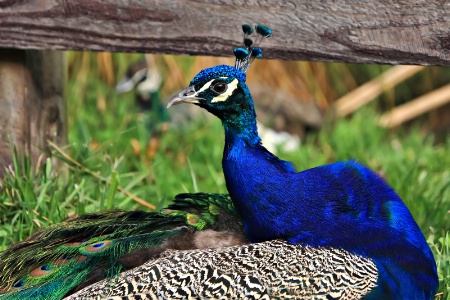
343,205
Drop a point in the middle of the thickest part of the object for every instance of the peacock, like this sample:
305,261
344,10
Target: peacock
337,231
343,205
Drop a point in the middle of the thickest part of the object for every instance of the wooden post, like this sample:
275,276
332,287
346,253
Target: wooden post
31,103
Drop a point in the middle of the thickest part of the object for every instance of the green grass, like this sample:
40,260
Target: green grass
109,137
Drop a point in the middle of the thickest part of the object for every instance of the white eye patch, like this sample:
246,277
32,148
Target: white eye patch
224,96
206,86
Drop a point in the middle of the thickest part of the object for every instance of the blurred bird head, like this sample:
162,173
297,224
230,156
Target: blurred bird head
142,76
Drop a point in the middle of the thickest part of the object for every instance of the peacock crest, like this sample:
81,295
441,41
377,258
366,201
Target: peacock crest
247,54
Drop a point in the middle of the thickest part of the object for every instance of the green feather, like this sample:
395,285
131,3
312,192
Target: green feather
68,256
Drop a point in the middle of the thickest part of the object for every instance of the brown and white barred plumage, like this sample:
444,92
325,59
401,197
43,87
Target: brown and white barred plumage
266,270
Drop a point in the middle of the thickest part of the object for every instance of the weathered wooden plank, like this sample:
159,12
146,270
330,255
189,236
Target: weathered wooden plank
31,103
369,31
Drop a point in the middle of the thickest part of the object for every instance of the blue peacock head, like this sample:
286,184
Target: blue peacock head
222,89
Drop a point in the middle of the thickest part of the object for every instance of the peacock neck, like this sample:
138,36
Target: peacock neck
254,179
240,120
242,129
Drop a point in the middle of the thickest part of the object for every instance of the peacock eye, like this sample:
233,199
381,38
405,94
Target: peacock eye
219,87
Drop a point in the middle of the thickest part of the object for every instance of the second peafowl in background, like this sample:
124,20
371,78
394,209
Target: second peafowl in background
343,205
145,78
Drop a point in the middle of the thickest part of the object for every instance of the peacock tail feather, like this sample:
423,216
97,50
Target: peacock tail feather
68,256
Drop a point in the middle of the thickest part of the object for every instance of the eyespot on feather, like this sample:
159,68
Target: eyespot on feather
19,284
195,221
42,270
98,246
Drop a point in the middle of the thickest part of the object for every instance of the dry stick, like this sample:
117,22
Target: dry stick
370,90
416,107
85,169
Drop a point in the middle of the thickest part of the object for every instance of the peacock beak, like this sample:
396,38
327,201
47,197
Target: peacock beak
188,95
